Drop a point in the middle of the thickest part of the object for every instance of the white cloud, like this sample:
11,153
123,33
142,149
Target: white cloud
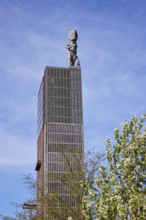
16,150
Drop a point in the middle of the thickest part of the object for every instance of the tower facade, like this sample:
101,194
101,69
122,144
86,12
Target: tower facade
60,145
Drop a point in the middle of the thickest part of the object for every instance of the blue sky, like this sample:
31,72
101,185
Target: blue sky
112,51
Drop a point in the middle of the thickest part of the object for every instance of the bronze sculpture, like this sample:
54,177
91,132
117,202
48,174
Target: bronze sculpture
72,48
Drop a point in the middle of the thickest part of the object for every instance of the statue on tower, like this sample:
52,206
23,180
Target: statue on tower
72,48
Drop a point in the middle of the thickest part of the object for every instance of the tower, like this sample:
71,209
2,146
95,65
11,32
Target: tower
60,145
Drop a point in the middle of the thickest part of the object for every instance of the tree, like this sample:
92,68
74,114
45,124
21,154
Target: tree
121,187
89,169
19,214
68,183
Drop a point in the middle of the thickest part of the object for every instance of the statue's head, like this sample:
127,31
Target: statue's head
73,35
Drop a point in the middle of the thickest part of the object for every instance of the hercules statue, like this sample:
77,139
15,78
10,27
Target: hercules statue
72,48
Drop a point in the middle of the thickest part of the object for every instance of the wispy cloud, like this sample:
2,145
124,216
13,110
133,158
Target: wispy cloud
16,151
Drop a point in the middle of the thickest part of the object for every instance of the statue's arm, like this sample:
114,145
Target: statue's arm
68,46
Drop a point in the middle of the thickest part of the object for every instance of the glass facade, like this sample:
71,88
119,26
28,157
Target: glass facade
64,96
61,117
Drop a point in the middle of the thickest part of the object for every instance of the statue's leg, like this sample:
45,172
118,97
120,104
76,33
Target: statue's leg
72,60
69,58
78,61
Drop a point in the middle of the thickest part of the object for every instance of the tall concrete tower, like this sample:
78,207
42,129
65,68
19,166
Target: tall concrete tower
60,140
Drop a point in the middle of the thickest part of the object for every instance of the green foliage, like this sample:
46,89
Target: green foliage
121,188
